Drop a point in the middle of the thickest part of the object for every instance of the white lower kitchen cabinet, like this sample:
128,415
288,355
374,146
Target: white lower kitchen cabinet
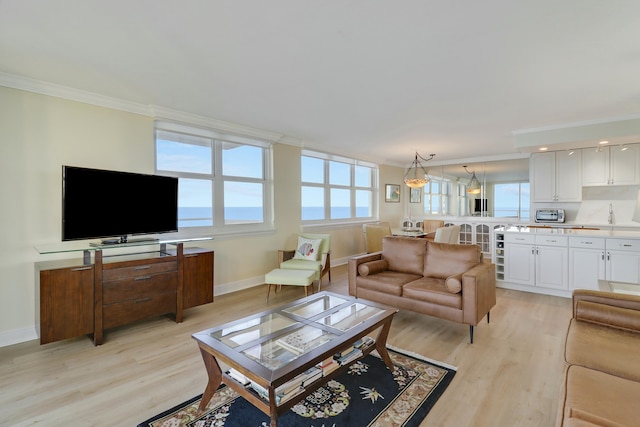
623,260
586,262
540,261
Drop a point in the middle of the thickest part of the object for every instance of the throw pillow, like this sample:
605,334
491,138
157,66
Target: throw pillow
308,249
373,267
454,283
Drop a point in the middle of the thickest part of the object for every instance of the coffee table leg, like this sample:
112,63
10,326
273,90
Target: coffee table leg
381,344
215,378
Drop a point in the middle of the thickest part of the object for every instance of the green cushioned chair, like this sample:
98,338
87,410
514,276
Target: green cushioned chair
321,266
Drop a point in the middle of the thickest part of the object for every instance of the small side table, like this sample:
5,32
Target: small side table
288,277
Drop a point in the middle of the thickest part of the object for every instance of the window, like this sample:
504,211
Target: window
337,189
224,180
436,196
511,200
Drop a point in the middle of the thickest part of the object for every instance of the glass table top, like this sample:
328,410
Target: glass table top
276,338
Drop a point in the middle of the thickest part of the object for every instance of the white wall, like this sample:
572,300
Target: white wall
39,133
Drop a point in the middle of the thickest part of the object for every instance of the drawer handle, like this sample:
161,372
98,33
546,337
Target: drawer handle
627,245
141,300
519,238
81,268
551,241
142,278
142,267
587,243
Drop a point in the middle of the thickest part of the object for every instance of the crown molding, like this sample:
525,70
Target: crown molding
153,111
577,124
64,92
168,114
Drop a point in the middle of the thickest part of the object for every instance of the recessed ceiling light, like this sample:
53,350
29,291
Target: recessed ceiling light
544,148
603,142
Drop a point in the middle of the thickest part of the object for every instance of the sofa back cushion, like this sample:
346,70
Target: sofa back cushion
404,254
443,259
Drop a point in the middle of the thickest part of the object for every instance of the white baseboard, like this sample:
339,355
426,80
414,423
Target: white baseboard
534,289
17,336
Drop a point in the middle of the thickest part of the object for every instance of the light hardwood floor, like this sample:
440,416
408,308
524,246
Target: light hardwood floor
510,376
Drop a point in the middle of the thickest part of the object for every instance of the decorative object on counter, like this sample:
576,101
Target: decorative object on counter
415,179
474,186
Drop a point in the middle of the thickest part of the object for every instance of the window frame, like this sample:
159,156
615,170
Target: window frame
522,208
327,187
218,179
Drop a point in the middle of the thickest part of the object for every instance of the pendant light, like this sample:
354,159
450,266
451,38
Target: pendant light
474,186
414,177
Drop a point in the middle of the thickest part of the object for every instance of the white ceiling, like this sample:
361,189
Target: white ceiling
374,79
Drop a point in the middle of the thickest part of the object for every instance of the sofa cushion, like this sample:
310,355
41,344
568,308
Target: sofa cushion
389,282
603,348
404,254
443,259
432,290
596,398
373,267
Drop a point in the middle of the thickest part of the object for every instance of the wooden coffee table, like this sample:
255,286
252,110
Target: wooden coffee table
272,347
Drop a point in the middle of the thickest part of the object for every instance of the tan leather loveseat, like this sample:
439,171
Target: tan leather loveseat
438,279
602,378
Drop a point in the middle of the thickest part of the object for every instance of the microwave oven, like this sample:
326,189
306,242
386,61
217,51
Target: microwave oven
549,215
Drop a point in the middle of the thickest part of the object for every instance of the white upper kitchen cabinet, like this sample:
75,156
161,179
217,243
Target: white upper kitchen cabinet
616,165
556,176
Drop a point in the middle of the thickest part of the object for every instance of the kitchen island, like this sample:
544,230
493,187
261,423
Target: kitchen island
557,260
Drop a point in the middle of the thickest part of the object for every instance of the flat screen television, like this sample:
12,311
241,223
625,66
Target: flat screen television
103,203
480,205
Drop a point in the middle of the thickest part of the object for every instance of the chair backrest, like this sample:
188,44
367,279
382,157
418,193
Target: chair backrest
443,235
373,234
431,225
455,234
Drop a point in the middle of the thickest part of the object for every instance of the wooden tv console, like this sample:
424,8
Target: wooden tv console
80,297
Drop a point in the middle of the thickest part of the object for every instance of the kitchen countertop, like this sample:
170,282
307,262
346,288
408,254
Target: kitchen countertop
572,232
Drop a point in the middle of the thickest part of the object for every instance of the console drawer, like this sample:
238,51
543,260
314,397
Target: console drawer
139,288
133,310
138,270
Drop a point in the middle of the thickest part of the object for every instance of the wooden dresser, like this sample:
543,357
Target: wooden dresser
78,297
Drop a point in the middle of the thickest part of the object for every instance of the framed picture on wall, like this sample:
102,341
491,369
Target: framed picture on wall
416,195
392,193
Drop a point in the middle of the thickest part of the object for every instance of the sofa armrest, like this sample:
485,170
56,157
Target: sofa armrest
478,292
607,308
353,264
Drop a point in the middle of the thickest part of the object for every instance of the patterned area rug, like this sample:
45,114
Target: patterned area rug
367,394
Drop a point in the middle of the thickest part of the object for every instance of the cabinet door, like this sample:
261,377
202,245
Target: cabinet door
623,266
624,165
519,264
66,303
552,267
542,171
586,267
198,278
595,166
568,176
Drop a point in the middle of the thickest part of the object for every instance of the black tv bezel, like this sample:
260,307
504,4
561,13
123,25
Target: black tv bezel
115,237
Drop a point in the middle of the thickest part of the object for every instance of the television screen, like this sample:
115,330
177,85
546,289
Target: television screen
100,203
480,205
